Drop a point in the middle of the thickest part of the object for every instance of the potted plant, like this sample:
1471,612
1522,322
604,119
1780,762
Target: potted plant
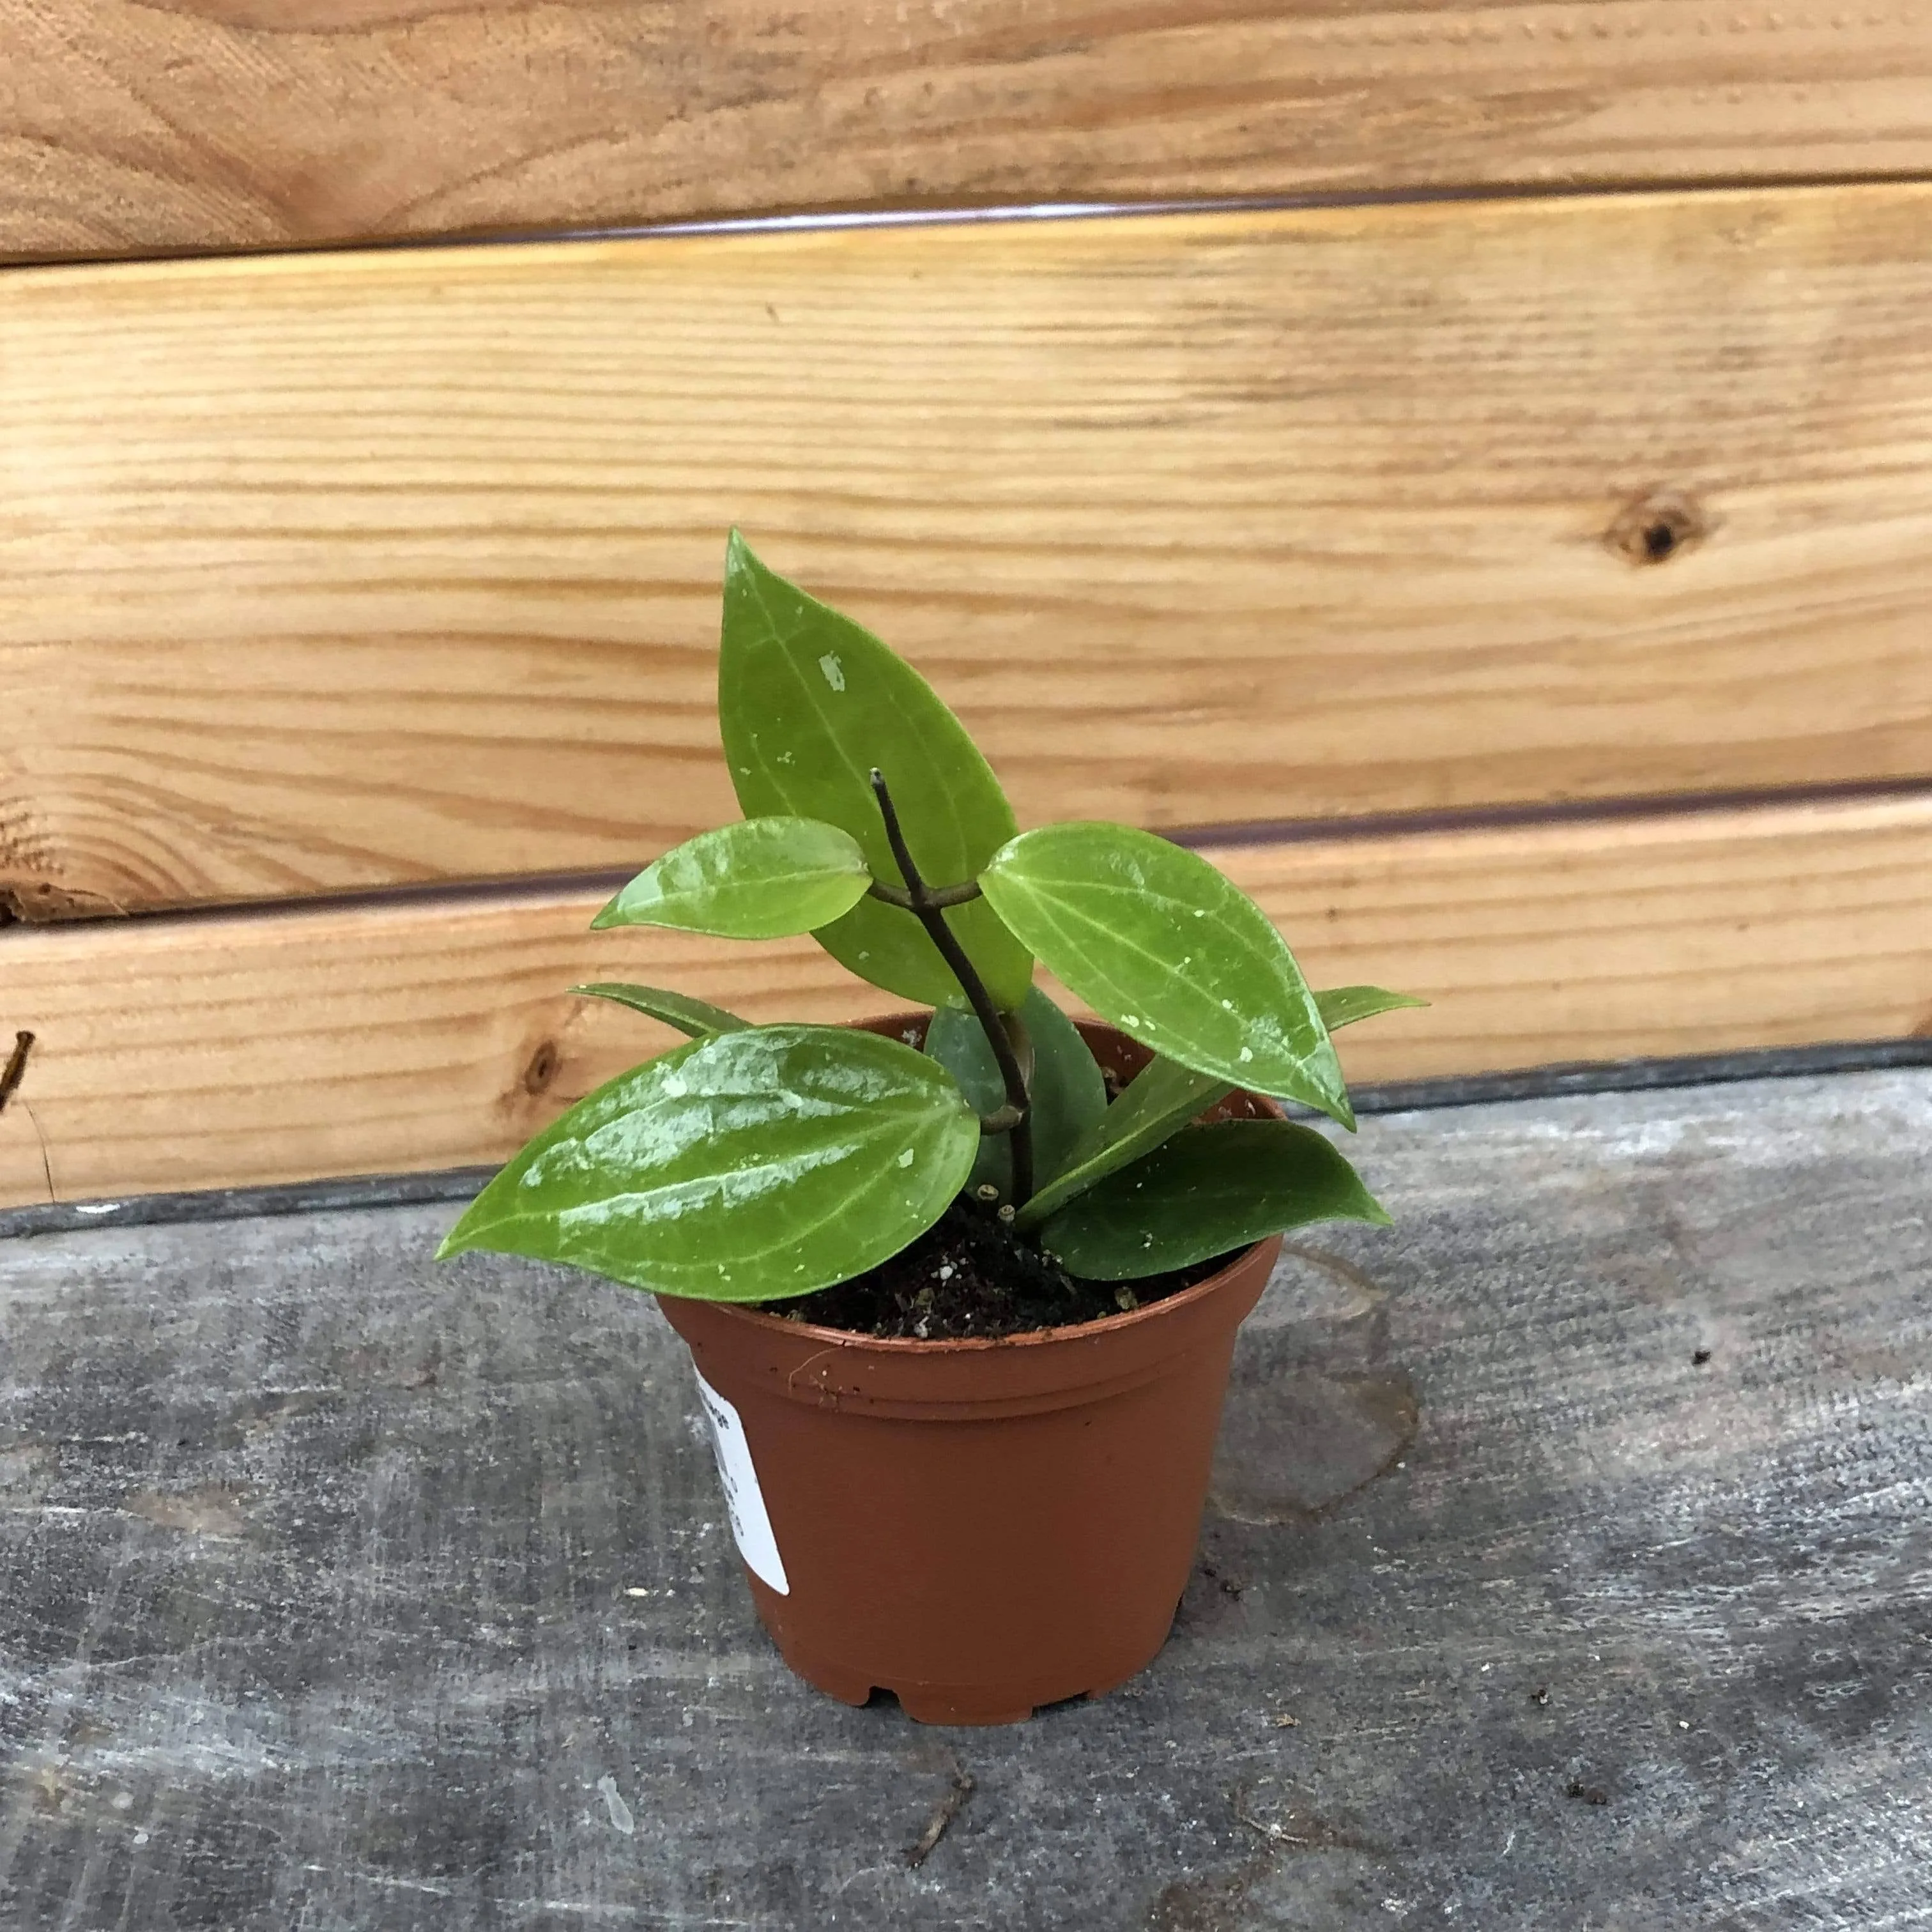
961,1284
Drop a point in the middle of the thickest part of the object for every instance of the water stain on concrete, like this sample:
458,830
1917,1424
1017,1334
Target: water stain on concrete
1367,1294
1283,1883
1297,1441
27,1473
214,1509
1210,1903
273,1409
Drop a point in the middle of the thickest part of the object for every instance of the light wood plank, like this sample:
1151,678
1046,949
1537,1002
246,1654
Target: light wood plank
331,572
128,126
257,1047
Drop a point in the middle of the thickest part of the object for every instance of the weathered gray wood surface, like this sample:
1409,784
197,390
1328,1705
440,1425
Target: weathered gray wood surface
339,1592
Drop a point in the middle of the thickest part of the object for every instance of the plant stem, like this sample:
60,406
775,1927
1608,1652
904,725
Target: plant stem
928,907
935,896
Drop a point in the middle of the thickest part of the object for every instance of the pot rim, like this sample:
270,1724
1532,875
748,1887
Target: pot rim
755,1312
738,1347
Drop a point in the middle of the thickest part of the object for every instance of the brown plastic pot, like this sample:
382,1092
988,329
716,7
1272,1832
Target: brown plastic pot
979,1527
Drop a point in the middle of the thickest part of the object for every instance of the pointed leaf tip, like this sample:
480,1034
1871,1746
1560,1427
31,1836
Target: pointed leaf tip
1173,953
1157,1103
746,1167
808,703
762,878
698,1017
1208,1191
1343,1005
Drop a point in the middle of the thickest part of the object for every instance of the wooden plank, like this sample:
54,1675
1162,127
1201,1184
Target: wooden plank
241,1048
129,128
326,572
344,1589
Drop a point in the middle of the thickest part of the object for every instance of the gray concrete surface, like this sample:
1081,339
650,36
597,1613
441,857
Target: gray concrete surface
339,1591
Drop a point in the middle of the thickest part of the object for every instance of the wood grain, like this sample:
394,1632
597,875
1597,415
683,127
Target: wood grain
237,1047
128,126
326,572
345,1589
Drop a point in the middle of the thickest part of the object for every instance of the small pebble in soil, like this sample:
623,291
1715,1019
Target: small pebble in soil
1590,1794
971,1276
1700,1357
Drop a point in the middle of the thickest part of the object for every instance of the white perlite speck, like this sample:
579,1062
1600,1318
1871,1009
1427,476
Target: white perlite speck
614,1803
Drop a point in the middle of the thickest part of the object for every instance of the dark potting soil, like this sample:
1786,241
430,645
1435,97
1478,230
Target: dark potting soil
969,1275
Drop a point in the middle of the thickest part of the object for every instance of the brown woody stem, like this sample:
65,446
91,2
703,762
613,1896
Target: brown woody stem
935,896
16,1066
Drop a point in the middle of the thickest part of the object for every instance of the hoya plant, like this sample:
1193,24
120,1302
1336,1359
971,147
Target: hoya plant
759,1163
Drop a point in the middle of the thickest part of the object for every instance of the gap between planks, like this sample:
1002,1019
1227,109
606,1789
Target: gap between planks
968,213
253,1049
401,120
352,1192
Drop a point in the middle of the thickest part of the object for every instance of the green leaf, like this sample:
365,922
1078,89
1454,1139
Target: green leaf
1068,1092
763,878
1164,1096
1159,1100
752,1164
808,703
695,1017
1156,939
1208,1191
1343,1005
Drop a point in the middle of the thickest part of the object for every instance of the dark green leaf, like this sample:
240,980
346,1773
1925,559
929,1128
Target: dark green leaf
763,878
1159,1100
1208,1191
1343,1005
808,703
696,1017
745,1167
1165,1096
1068,1095
1156,939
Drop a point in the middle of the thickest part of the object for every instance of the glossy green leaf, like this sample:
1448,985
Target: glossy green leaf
1208,1191
1343,1005
1165,1096
763,878
1069,1094
1156,939
742,1168
808,703
1158,1102
698,1017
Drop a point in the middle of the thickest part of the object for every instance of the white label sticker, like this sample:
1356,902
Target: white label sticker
743,1497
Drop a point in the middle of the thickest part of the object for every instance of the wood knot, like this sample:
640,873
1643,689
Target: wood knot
544,1065
1656,526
